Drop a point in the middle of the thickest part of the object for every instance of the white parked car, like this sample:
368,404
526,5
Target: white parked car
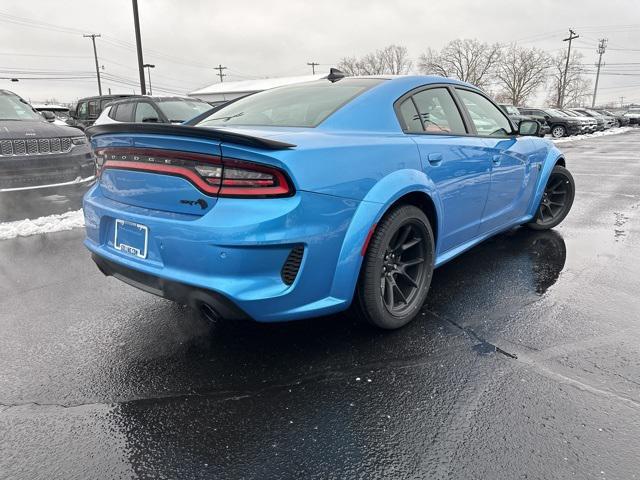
60,112
150,109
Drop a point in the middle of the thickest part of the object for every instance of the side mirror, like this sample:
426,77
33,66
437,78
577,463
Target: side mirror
150,120
48,116
529,128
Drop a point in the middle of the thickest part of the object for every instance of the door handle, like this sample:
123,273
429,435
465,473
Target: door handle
496,159
435,159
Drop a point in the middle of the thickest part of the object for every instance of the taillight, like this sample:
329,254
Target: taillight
212,174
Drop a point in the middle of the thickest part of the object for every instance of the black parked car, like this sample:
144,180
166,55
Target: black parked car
515,115
561,125
36,155
88,109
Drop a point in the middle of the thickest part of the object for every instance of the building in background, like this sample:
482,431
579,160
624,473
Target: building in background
223,92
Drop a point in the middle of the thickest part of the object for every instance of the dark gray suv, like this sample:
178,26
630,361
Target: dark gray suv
36,155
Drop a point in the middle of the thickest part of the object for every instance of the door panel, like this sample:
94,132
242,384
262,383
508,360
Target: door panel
459,168
512,180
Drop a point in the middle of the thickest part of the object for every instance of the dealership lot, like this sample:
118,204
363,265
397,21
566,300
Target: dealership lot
524,362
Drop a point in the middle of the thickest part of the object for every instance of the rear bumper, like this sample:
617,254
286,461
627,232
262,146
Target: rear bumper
235,253
171,290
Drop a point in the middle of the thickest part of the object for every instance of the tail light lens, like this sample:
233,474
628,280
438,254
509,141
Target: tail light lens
213,175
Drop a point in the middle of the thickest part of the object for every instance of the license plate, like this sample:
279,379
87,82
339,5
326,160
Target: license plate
131,238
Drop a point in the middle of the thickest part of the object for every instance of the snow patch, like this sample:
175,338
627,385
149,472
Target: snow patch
49,224
577,138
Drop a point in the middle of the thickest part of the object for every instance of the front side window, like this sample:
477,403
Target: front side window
82,110
438,112
487,118
299,105
146,113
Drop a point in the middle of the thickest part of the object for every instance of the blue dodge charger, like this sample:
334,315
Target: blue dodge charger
307,199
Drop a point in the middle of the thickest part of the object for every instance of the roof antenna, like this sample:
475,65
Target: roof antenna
335,75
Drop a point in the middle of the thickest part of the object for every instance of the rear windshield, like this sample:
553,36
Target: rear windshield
300,105
182,110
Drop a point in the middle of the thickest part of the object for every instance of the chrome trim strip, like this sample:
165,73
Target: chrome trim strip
77,181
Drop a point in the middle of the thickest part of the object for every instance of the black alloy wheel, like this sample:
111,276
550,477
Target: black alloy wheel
556,201
397,269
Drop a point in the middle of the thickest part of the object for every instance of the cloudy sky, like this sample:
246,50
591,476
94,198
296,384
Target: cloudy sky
255,39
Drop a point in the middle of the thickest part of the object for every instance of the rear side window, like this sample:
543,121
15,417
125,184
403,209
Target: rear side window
439,112
124,113
487,118
300,105
112,111
410,116
93,108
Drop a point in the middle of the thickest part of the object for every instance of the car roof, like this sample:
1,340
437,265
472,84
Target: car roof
155,98
107,97
50,106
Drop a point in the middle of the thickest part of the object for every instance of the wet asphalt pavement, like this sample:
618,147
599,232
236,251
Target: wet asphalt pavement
524,364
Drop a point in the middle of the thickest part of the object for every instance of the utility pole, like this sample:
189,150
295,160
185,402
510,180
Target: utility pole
220,68
95,56
602,46
136,24
313,66
621,102
149,66
572,36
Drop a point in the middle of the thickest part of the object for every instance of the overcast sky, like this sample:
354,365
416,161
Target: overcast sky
253,38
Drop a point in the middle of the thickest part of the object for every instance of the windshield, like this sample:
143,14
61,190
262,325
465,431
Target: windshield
556,113
11,108
182,110
300,105
510,109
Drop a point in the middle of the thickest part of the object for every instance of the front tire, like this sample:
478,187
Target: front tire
397,269
556,201
558,131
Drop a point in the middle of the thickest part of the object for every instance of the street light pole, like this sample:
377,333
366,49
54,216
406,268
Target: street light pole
136,24
149,66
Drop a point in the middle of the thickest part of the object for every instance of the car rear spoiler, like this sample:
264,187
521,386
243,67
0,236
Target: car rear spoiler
188,131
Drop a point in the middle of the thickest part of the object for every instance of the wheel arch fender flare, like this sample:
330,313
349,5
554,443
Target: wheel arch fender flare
371,209
554,157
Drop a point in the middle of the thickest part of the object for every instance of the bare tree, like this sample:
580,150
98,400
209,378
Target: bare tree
393,59
576,88
520,72
465,59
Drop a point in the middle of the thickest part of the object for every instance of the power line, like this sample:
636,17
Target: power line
313,66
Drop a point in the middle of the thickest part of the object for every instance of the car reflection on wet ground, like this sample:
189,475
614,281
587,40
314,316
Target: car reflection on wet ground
524,363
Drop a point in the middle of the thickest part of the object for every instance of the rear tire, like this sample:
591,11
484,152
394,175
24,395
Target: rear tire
556,201
397,269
